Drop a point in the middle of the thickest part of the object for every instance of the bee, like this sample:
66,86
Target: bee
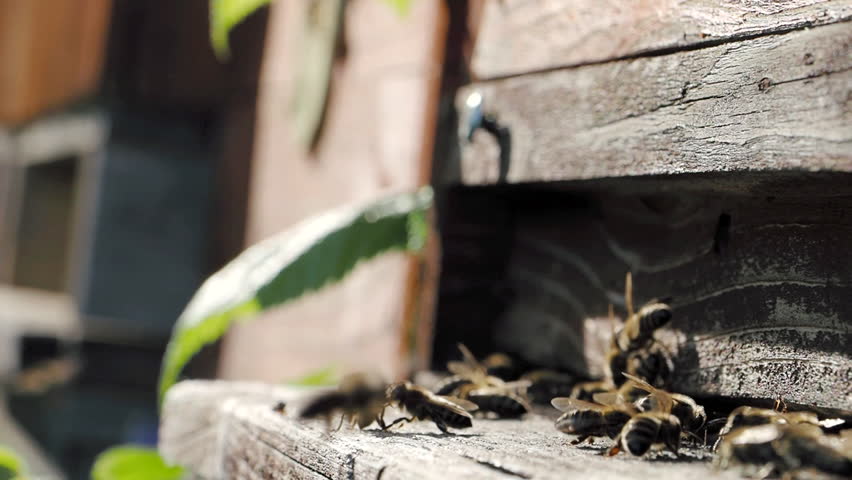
646,430
505,401
545,385
587,390
780,448
445,412
466,373
690,414
640,326
633,348
589,420
359,397
653,363
746,416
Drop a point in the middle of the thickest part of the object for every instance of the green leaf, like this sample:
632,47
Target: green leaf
308,256
128,462
224,16
11,467
402,7
323,377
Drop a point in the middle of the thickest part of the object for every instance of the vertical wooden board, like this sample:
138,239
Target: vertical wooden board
521,36
372,141
50,53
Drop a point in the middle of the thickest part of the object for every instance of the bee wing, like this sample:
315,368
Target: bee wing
468,356
639,383
566,404
460,402
461,368
665,401
608,398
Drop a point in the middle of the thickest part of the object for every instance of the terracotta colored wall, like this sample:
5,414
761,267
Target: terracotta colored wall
377,137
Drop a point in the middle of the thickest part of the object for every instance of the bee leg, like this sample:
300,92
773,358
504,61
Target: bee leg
613,451
579,439
442,427
764,471
342,417
397,421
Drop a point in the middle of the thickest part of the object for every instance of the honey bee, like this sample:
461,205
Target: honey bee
587,390
445,412
640,326
359,397
505,401
633,347
780,448
646,430
690,414
589,420
545,385
747,416
466,373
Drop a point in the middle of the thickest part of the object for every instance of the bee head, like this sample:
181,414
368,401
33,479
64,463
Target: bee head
397,392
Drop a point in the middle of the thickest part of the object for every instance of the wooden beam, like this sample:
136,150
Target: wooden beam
778,102
228,430
521,36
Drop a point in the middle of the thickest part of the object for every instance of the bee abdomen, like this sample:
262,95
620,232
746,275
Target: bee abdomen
654,316
503,405
640,433
452,419
323,405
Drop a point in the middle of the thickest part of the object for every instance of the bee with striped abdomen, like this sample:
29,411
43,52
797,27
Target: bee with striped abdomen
445,412
780,448
633,348
359,397
589,420
691,415
647,430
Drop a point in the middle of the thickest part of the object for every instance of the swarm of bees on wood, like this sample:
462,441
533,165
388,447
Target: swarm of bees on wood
631,407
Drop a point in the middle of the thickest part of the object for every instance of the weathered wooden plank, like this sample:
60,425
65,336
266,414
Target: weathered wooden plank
252,441
519,36
779,102
761,286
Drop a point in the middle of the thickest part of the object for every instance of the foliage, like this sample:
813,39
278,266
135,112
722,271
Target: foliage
225,15
129,462
310,255
401,6
11,467
323,377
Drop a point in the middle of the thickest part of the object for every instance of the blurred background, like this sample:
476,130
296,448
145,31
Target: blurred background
134,163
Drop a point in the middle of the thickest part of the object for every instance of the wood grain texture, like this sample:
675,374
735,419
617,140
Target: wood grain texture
520,36
241,437
761,307
779,102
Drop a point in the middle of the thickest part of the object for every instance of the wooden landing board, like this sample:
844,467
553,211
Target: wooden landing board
520,36
777,102
228,430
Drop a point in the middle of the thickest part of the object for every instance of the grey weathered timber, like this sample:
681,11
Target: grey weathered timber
520,36
228,430
761,286
777,102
